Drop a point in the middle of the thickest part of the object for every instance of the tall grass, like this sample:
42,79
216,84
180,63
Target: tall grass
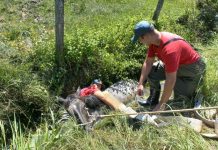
42,138
20,85
210,54
117,134
17,141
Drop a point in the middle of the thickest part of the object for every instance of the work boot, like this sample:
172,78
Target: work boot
153,99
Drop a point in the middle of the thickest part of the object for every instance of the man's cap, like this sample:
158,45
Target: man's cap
97,81
140,29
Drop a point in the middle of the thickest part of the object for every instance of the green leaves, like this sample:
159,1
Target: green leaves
105,53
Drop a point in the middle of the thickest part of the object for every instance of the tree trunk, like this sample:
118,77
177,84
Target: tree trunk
158,9
59,32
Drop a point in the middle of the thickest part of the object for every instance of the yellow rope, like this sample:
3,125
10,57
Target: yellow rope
160,112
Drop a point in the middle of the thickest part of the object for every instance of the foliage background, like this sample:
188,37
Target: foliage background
97,45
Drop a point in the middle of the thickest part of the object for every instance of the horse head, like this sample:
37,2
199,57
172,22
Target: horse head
70,98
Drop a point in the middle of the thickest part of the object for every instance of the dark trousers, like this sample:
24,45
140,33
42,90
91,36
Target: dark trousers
187,81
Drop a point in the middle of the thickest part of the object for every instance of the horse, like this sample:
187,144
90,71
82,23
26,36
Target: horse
124,91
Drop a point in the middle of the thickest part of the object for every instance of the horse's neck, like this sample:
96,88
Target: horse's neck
123,90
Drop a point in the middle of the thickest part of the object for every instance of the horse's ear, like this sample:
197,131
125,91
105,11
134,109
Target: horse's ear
60,100
78,91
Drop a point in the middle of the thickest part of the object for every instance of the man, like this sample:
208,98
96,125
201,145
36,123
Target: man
180,65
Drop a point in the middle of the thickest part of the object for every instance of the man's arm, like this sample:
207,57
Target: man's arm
168,88
146,68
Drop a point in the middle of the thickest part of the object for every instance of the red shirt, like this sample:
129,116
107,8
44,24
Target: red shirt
89,90
173,54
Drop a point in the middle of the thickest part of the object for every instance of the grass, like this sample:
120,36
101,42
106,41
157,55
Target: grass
210,53
112,133
118,134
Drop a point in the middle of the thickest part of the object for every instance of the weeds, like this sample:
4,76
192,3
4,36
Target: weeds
97,43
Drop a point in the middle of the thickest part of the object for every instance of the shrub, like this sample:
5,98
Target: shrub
90,53
22,95
203,22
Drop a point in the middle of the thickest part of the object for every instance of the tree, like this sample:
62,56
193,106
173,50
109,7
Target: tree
158,9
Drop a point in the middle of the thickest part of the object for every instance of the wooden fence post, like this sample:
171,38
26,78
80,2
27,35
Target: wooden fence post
158,9
59,32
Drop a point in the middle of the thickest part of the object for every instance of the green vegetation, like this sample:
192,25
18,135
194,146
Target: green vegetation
97,44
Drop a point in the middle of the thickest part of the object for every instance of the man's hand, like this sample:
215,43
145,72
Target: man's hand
140,90
168,88
159,107
146,68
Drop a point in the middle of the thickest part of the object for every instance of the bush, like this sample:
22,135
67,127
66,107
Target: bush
91,53
203,22
22,95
